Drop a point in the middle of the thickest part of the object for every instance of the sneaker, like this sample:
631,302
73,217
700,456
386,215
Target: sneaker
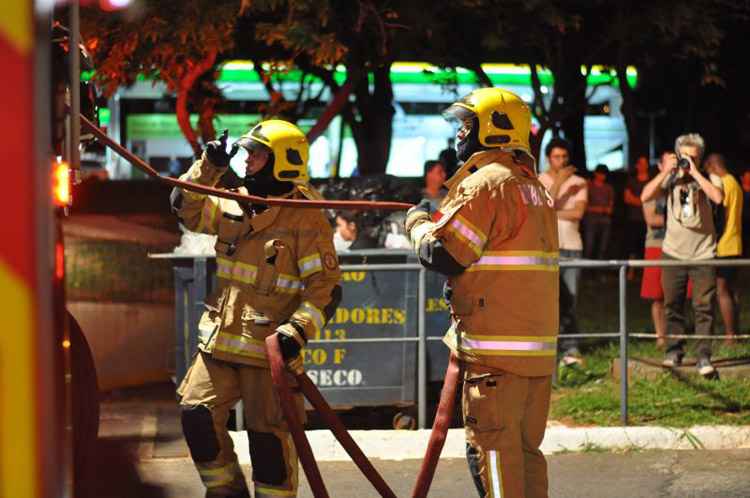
673,359
705,368
571,357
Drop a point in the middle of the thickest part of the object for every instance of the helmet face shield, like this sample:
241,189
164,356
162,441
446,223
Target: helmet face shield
239,161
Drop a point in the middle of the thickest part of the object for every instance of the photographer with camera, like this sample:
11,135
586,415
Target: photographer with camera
690,235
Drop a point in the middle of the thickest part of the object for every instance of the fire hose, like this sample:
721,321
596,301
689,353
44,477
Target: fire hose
443,418
235,196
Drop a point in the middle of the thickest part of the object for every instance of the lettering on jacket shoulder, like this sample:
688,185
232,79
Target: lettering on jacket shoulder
536,195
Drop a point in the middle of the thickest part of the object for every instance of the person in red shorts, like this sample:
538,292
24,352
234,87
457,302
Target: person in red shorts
653,213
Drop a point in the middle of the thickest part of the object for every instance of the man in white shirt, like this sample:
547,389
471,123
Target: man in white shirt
571,196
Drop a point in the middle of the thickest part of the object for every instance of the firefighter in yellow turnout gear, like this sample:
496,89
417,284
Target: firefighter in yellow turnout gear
276,271
495,237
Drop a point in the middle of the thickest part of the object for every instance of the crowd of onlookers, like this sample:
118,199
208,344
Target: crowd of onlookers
685,207
690,208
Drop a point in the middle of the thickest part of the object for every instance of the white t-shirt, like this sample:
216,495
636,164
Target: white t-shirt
573,190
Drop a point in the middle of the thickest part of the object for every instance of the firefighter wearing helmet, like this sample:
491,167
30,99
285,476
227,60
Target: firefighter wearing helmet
495,237
276,271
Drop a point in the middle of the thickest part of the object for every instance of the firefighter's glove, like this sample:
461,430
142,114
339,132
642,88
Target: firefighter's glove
289,341
417,215
216,151
447,292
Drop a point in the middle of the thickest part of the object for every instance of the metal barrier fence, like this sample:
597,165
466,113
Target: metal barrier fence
622,334
200,289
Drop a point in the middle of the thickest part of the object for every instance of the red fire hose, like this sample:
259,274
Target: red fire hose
439,430
202,189
308,389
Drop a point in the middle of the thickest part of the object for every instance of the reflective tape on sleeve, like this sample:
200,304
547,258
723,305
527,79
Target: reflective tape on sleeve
468,233
289,284
313,314
309,265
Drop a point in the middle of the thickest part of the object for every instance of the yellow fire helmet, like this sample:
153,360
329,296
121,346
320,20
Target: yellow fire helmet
504,118
288,145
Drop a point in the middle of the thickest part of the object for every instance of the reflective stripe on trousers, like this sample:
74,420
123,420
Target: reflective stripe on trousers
501,345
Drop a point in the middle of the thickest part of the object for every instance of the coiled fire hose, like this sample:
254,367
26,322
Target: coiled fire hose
202,189
307,459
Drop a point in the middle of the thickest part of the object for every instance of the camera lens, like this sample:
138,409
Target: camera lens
683,163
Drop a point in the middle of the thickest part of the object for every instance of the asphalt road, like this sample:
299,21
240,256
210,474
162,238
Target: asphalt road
647,474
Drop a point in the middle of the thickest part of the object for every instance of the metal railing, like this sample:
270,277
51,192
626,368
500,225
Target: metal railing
623,334
421,337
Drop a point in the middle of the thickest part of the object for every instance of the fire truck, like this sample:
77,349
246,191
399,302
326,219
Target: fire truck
49,410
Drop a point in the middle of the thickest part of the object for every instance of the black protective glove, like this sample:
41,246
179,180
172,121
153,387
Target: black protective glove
216,151
420,212
290,348
447,292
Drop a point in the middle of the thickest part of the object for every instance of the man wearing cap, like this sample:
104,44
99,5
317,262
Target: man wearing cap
495,237
276,272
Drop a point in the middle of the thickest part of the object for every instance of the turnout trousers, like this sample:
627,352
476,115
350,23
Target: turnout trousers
208,392
505,417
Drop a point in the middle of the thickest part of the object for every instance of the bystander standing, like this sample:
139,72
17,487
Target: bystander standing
654,212
571,196
598,220
635,224
434,191
690,235
745,181
729,246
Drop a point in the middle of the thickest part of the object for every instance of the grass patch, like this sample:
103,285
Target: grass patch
593,398
589,396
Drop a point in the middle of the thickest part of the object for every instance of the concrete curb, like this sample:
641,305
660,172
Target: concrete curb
407,445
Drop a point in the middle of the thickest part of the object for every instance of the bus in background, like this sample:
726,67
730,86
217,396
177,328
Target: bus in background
142,117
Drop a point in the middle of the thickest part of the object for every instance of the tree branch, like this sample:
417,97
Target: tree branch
183,115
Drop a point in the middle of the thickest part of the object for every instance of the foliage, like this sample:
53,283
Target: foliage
161,41
182,42
173,41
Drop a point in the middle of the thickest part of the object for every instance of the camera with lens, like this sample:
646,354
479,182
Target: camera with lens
683,163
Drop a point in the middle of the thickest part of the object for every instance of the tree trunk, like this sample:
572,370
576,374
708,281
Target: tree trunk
636,144
571,87
374,132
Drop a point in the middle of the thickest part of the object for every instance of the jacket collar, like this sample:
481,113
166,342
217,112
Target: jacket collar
480,159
